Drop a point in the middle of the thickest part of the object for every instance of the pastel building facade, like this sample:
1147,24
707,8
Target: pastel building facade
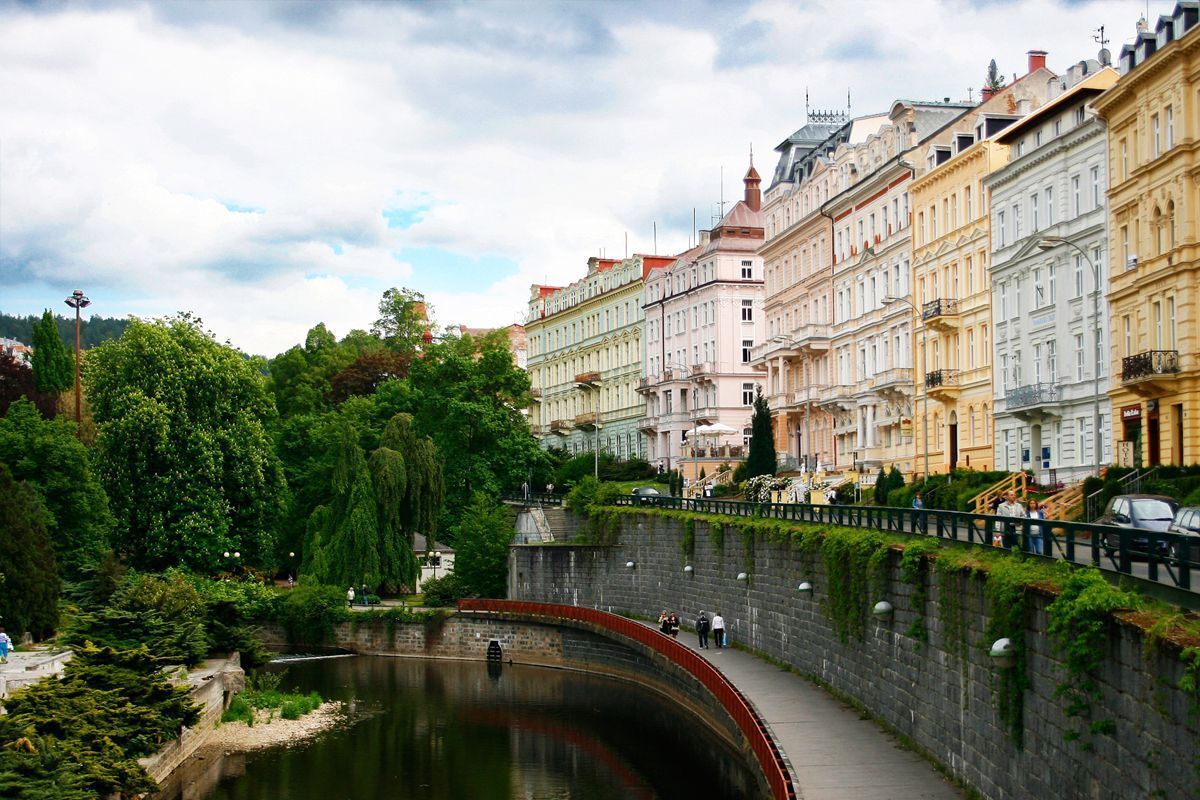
1048,277
1153,119
703,319
794,360
951,252
870,389
585,353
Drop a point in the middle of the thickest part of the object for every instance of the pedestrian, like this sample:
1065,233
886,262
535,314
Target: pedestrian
718,630
702,627
5,645
350,597
365,594
291,581
664,622
673,625
1003,535
549,488
525,490
918,503
1034,510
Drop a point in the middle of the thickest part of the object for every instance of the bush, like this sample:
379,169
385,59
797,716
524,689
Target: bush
444,591
583,495
724,490
309,612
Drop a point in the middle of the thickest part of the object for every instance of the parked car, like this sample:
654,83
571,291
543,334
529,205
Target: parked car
1139,512
1186,524
641,492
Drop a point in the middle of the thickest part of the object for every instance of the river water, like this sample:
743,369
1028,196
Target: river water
449,730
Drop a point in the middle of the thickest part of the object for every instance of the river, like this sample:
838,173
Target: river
451,730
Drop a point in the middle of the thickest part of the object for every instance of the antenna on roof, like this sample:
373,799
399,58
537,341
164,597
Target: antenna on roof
805,105
695,227
847,101
970,94
627,244
655,237
752,154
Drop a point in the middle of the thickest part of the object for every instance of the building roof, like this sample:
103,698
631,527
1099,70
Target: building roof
420,545
1090,86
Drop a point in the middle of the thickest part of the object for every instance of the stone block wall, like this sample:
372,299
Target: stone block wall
943,702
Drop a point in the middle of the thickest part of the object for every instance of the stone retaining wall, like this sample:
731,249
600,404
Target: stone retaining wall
943,703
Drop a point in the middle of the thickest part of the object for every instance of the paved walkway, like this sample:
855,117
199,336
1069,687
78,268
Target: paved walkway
833,753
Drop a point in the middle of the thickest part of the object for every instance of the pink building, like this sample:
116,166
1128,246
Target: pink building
703,320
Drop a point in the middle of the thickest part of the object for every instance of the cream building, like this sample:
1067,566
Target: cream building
585,358
703,319
1153,118
951,246
797,269
1050,378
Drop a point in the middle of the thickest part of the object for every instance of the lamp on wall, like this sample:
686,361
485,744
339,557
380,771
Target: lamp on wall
805,588
630,565
883,611
741,576
1003,654
688,570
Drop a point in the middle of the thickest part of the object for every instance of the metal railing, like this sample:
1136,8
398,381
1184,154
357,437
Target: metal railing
941,377
1035,394
941,307
1170,558
533,498
766,752
1151,362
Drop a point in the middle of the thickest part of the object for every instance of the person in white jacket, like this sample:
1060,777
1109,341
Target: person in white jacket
718,629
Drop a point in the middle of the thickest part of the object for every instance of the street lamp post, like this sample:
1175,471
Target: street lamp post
887,301
78,302
1049,243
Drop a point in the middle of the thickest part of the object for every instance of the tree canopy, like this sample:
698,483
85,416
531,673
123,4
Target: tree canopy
185,455
53,366
761,460
29,582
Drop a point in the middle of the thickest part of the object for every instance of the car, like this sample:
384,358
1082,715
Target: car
645,491
1139,512
1186,524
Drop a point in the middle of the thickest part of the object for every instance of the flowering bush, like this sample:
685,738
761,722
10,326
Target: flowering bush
758,489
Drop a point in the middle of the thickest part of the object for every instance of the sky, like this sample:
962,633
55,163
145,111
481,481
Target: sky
271,165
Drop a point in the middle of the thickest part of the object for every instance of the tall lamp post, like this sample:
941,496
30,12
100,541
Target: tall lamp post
1049,243
695,421
890,300
595,386
77,301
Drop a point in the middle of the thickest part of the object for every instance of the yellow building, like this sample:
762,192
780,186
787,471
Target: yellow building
1153,117
952,294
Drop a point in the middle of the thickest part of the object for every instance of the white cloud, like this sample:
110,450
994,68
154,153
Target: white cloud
535,134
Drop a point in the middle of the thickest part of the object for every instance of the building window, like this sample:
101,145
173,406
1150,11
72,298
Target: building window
747,311
1049,197
1095,172
747,270
1033,212
1053,281
1170,127
747,346
1004,300
1075,196
1079,115
1156,147
1052,360
1078,275
747,394
1039,294
1124,159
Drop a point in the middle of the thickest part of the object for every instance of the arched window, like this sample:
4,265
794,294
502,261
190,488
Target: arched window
1158,231
1171,223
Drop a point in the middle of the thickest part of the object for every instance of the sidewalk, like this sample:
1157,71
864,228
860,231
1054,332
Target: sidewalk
832,752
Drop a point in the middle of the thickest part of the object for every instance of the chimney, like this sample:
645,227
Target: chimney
986,93
753,196
1037,60
704,236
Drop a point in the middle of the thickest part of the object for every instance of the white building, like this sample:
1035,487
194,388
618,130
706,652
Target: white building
703,318
1047,205
436,561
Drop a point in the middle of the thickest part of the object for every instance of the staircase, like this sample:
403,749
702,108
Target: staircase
1130,484
722,476
557,528
1017,482
1065,505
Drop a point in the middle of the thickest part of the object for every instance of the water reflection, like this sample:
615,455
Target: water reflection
448,730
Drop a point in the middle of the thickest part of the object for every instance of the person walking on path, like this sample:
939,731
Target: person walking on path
664,622
350,596
1003,535
718,629
6,644
702,626
673,625
365,592
1034,510
917,502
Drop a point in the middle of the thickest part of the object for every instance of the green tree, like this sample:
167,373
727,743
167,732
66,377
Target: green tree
53,367
186,460
46,454
343,546
403,319
29,582
481,552
409,492
761,460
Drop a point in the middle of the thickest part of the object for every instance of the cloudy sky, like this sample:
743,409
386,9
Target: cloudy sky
270,165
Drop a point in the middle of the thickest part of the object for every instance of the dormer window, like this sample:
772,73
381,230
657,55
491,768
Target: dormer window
962,141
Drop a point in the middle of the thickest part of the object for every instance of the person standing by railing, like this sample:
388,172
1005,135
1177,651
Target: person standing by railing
1005,532
1034,510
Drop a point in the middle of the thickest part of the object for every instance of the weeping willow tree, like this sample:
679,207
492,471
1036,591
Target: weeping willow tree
409,492
364,534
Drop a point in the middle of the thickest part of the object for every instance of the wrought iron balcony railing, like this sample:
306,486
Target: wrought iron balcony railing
941,377
1151,362
941,307
1035,394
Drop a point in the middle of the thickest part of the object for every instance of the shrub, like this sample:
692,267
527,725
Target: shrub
444,591
309,612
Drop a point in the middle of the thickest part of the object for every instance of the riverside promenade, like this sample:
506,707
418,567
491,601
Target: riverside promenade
832,752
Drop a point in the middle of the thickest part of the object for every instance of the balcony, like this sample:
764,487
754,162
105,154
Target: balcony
1027,402
536,394
1150,373
812,337
704,370
775,347
587,378
561,426
648,424
801,397
941,313
838,395
643,386
897,381
706,414
942,384
586,421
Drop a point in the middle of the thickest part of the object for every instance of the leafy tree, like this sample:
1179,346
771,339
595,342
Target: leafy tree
465,393
343,543
761,460
481,555
301,378
46,454
17,381
92,331
364,375
409,491
29,582
882,486
403,320
185,456
53,367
